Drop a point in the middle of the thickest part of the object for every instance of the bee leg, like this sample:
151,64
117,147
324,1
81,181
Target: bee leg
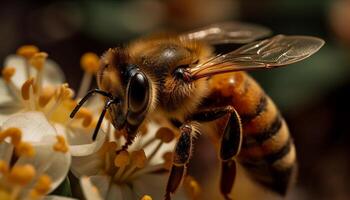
182,154
231,141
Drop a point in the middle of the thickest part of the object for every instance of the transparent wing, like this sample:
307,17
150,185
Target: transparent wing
273,52
228,32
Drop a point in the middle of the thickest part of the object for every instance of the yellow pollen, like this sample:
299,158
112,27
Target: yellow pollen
138,158
146,197
21,174
38,60
122,159
43,185
64,92
165,134
46,95
86,115
90,62
7,73
26,88
25,149
14,133
27,51
4,167
61,144
192,187
168,160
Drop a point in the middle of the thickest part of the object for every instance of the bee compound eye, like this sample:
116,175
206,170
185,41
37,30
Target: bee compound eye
138,92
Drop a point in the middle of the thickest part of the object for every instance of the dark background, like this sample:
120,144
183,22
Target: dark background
312,95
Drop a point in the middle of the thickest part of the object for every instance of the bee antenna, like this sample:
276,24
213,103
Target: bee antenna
87,96
98,125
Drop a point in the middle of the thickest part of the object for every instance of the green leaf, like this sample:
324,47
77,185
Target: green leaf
63,189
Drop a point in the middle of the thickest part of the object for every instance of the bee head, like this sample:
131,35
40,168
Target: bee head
128,83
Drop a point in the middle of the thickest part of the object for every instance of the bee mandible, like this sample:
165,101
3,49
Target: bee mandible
179,77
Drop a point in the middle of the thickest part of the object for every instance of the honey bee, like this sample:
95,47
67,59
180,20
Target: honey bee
179,77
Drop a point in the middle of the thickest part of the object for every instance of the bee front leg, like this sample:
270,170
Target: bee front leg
231,141
182,154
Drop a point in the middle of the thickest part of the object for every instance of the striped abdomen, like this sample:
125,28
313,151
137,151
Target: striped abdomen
268,151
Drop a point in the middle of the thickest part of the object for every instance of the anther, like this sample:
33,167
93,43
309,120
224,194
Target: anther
122,159
86,115
90,62
61,144
165,134
138,158
25,90
43,185
38,60
27,51
146,197
21,174
14,133
25,149
7,73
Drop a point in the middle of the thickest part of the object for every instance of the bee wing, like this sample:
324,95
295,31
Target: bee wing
228,32
273,52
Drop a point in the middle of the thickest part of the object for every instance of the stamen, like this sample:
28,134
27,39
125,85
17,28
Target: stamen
192,187
122,159
14,133
7,73
86,115
62,93
138,158
146,197
38,60
46,95
27,51
90,63
26,88
42,187
165,134
4,167
21,174
61,145
25,149
168,160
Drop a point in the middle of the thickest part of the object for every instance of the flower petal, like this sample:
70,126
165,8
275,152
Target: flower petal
49,162
87,165
81,143
34,126
90,191
52,73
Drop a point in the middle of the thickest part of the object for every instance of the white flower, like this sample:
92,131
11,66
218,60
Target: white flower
132,174
34,99
34,158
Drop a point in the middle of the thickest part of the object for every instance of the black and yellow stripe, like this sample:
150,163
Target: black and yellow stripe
268,151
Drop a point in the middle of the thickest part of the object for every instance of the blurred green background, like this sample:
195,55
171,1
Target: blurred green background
313,95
